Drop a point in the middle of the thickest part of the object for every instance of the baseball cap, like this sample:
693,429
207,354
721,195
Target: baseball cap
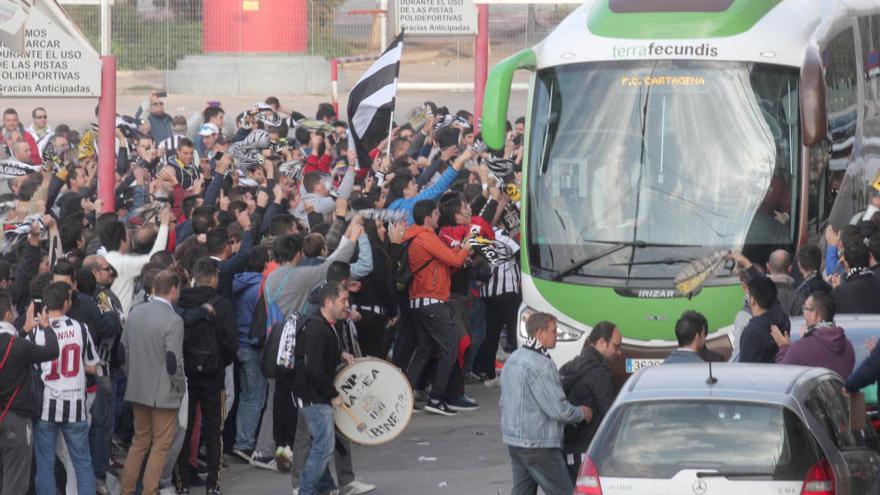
208,129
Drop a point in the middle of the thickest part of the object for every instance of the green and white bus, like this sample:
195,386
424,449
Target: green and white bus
660,131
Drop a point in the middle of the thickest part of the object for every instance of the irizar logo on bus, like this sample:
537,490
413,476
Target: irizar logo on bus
657,293
661,50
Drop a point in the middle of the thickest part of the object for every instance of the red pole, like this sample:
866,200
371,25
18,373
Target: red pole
107,134
481,59
334,84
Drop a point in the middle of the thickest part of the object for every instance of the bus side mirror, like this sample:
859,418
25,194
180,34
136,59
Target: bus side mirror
814,119
497,96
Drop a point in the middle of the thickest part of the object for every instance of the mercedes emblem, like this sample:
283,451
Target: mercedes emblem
699,487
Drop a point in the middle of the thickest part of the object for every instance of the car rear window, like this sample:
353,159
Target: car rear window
658,440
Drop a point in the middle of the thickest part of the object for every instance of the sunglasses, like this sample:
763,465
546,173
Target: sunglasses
40,116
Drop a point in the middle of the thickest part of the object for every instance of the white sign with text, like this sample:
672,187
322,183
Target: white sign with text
432,17
55,64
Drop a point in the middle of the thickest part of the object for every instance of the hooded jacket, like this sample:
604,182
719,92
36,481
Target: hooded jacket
431,262
223,322
586,381
245,293
826,347
317,355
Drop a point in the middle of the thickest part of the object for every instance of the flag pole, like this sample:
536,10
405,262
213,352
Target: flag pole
390,128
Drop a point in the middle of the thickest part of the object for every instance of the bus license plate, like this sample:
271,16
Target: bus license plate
633,365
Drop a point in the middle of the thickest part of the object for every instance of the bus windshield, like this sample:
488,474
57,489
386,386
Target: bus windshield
676,158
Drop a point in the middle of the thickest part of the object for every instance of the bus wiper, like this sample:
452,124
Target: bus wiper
732,474
615,247
664,261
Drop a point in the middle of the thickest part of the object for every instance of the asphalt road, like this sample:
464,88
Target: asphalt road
461,455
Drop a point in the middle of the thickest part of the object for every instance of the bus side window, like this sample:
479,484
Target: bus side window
869,34
841,102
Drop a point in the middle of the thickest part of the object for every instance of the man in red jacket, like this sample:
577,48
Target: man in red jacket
431,262
10,124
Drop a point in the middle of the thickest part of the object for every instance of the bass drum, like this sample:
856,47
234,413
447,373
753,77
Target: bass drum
377,402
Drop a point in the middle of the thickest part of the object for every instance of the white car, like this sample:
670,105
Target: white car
758,430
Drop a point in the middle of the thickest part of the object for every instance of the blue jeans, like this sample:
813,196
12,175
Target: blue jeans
539,467
251,398
315,477
76,435
101,432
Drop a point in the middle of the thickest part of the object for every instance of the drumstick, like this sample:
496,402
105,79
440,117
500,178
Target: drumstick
361,426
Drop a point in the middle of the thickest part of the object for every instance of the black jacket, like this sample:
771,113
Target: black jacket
377,288
756,345
18,370
223,322
317,355
859,293
586,381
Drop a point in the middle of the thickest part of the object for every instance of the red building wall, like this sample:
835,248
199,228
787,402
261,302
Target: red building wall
255,26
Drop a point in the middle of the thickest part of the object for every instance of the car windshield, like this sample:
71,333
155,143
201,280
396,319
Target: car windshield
702,435
702,155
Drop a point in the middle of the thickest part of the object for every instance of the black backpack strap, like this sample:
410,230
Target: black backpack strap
423,266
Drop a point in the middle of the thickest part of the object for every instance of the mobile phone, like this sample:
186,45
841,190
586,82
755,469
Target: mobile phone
38,307
161,94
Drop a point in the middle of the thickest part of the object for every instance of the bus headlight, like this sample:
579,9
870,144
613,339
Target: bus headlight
564,333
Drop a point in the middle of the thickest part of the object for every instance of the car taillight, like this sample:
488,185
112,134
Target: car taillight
819,480
588,479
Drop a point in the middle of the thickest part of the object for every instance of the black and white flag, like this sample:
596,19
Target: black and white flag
11,168
371,102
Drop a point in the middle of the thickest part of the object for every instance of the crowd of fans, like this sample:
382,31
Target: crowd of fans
135,341
549,417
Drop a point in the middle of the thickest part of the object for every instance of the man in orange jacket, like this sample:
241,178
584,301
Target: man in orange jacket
431,261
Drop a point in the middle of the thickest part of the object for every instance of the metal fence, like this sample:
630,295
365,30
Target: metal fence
149,37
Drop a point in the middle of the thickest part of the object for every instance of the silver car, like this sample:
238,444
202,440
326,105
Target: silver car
752,429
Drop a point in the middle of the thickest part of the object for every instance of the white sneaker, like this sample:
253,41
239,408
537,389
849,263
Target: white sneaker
492,382
168,490
268,463
356,488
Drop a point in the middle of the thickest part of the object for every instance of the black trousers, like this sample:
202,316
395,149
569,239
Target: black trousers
501,311
212,402
284,412
435,332
371,331
405,343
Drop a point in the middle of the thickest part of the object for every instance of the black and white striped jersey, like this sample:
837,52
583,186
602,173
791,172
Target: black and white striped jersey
506,277
64,378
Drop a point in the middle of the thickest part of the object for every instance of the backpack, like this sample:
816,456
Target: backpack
201,346
401,272
277,358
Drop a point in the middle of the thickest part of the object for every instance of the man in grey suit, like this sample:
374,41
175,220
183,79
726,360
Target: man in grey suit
690,331
153,361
